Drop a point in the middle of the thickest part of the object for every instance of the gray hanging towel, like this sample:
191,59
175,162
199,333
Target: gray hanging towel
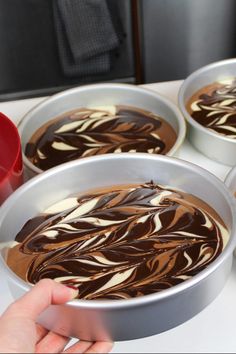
85,35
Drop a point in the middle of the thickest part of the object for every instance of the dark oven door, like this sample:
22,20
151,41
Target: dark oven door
30,60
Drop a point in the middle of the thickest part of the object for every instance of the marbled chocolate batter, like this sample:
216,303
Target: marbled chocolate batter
120,242
214,107
87,132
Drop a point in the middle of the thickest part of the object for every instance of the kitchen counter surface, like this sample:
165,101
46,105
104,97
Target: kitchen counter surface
211,331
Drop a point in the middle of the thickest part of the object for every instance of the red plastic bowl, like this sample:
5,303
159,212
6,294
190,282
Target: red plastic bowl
11,168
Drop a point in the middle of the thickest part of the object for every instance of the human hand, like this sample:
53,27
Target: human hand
19,332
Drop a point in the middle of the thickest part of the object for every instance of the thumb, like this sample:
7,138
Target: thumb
45,293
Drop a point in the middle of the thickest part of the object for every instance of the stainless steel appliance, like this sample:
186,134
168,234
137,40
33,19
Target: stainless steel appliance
179,36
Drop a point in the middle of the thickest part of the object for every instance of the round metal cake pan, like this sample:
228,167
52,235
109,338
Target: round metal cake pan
137,317
99,95
230,182
213,145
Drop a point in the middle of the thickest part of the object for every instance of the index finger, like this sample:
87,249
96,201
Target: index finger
45,293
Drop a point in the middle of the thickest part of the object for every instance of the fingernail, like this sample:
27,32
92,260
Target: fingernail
74,291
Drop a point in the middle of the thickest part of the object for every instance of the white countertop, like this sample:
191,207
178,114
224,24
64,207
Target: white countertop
211,331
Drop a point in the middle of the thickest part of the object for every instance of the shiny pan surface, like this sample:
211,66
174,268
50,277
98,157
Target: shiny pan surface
136,317
230,180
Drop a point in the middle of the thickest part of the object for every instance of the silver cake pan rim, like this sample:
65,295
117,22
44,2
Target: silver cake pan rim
146,91
146,299
183,88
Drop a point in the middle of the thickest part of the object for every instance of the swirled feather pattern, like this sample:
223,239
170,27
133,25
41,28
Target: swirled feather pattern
214,107
120,242
87,132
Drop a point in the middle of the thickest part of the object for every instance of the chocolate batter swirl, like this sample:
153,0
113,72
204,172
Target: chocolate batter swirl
120,242
87,132
215,108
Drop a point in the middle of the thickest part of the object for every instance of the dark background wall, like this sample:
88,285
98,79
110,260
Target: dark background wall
164,40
